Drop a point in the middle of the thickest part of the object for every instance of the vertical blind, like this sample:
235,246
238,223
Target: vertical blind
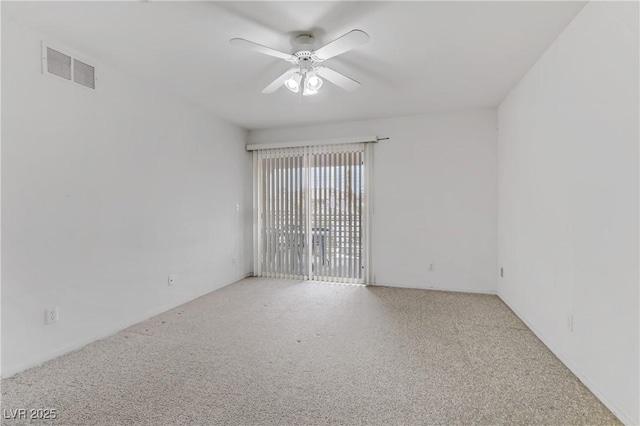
312,215
283,213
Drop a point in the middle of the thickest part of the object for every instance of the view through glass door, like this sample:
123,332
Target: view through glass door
336,195
312,213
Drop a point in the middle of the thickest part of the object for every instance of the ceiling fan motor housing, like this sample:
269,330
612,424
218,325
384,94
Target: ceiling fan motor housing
306,59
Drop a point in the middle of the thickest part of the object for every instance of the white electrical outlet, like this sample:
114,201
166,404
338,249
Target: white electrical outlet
171,280
432,267
237,208
51,315
233,260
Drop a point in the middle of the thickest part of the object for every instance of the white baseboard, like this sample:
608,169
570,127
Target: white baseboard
567,362
42,358
453,289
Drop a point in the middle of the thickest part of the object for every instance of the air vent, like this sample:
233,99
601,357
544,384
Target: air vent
68,65
84,74
58,63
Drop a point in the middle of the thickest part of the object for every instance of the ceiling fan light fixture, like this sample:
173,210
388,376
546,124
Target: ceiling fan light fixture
312,83
293,83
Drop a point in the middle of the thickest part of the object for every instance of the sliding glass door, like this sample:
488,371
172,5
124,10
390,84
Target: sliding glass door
312,216
336,195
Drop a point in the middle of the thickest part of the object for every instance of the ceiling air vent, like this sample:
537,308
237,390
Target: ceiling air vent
67,66
58,63
84,74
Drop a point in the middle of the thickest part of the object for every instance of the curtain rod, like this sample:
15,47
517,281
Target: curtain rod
296,144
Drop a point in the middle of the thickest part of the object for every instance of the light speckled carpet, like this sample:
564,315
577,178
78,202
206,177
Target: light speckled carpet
279,352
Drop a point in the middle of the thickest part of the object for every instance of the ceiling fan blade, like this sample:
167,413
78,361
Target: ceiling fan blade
349,41
338,79
275,84
240,42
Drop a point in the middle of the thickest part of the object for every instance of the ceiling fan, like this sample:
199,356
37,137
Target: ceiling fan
306,72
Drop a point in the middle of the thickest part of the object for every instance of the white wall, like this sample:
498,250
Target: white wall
435,196
105,193
568,173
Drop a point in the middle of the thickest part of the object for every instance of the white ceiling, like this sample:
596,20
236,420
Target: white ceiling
422,56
